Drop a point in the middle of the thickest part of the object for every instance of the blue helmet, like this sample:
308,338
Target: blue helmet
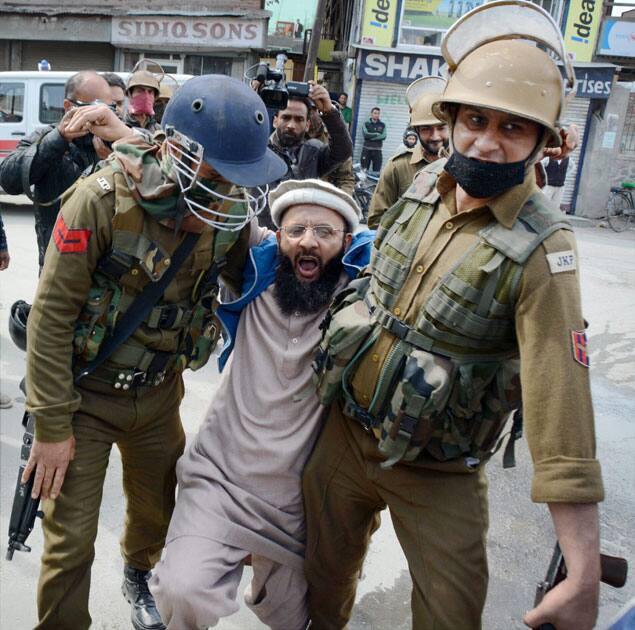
230,122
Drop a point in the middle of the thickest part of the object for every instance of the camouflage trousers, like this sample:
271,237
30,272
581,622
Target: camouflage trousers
440,519
146,426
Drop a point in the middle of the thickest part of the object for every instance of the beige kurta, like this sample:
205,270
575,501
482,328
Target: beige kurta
240,479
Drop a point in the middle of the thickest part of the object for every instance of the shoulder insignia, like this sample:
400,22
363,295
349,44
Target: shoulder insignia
104,184
70,240
561,261
579,347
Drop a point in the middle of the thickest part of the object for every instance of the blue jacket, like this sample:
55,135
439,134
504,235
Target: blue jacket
260,272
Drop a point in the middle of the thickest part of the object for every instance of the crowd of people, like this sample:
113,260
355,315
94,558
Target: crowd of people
361,370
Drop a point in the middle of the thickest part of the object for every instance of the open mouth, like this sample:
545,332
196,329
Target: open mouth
307,267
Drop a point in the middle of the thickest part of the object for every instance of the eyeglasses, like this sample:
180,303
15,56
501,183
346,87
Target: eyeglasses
89,103
321,232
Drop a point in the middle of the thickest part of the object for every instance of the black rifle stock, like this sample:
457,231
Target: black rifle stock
614,571
25,508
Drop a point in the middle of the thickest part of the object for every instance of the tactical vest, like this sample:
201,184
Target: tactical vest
176,334
451,379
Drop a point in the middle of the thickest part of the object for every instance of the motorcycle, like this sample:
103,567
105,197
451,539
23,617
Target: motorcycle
365,182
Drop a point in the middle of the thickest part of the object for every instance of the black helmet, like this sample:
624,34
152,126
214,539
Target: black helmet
17,323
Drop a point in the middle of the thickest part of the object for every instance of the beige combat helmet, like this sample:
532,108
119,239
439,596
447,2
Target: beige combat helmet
494,61
421,94
145,79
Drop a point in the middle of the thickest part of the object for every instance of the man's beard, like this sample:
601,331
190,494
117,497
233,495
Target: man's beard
297,296
433,149
288,139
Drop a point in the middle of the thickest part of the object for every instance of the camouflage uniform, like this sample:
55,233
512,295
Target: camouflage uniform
437,493
106,247
395,179
151,124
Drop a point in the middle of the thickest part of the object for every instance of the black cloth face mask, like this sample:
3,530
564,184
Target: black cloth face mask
483,180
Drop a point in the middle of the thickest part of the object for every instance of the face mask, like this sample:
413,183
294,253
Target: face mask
141,104
483,180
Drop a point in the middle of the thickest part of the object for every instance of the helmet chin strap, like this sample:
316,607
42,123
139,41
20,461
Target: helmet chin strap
187,158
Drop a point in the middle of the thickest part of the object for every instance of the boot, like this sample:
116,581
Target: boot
145,615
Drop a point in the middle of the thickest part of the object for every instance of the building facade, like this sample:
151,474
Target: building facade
192,38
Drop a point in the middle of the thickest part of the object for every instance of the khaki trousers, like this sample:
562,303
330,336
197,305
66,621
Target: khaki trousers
146,426
440,519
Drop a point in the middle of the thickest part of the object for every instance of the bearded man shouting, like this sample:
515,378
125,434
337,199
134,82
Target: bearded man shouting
239,482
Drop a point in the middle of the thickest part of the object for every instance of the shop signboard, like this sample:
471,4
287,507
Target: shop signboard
398,67
379,21
581,31
617,38
184,32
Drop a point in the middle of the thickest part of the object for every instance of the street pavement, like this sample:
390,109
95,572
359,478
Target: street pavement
520,538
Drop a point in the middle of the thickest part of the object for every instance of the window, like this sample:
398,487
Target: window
424,22
11,102
171,63
51,103
555,7
201,64
627,146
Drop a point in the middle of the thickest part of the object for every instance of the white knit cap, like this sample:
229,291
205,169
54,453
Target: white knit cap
294,192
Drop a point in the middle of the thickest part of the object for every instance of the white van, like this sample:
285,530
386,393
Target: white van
32,99
28,100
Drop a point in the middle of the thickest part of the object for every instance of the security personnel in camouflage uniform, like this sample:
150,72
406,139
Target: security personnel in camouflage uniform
472,289
143,90
402,167
117,232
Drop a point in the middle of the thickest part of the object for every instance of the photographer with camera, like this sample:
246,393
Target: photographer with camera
52,158
306,158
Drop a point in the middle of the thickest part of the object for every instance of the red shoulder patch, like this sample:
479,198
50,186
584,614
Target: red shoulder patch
578,345
70,240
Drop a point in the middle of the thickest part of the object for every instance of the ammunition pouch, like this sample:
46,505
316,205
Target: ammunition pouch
347,333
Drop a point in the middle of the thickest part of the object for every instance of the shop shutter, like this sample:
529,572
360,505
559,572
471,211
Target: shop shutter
576,113
391,99
68,55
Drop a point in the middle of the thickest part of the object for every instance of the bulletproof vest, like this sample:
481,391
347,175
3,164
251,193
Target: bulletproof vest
185,328
451,378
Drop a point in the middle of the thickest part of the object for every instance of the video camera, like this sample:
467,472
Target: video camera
275,90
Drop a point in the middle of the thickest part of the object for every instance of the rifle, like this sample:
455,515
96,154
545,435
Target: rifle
614,572
25,508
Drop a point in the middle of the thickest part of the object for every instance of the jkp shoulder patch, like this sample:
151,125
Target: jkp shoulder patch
70,240
104,184
561,261
579,347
